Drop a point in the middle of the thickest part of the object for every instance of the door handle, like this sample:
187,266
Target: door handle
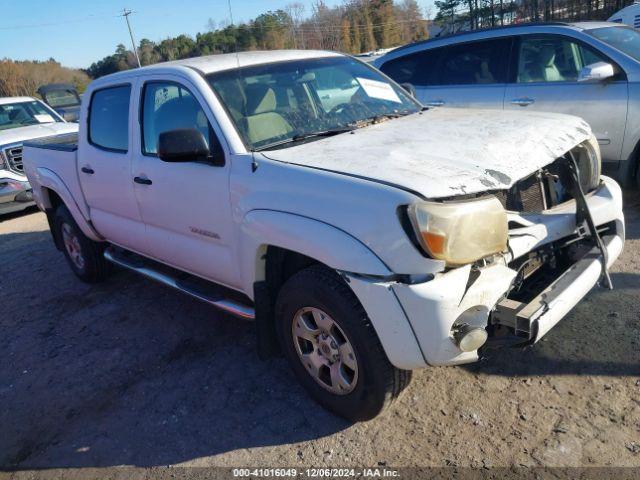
87,170
142,181
523,102
435,103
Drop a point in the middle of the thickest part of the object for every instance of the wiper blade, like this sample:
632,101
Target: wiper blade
304,136
323,133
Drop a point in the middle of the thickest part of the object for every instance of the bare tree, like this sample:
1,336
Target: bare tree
296,12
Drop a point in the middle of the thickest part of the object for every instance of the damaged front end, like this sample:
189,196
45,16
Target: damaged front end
564,227
548,273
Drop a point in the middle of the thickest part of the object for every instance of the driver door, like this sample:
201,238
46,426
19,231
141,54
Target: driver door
185,206
547,71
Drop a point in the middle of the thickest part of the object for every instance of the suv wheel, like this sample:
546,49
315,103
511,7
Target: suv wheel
85,257
332,346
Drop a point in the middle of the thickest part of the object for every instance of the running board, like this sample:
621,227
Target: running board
145,268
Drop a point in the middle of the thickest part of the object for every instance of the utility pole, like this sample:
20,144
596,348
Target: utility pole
125,14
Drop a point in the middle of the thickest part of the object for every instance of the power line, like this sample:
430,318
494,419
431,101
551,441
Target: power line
59,22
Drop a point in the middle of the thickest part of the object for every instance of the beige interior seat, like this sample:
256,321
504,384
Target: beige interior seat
262,121
550,71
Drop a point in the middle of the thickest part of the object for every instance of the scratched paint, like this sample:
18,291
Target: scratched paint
445,152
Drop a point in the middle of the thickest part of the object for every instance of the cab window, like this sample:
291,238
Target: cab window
109,118
170,106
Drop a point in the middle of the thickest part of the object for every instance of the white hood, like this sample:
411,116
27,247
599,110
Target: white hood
30,132
445,152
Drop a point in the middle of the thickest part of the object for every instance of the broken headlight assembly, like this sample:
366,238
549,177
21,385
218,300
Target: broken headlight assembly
460,232
587,156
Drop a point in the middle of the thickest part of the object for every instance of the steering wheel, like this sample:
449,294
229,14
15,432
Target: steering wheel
353,110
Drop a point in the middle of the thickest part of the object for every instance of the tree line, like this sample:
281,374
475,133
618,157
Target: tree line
355,26
23,78
457,15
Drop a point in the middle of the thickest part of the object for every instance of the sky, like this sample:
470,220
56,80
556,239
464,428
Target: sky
78,32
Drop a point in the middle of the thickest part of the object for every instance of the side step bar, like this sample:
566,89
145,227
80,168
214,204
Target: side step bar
137,264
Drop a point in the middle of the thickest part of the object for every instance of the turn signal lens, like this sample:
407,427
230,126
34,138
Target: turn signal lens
460,232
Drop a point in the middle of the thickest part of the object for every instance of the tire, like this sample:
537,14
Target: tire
366,384
84,256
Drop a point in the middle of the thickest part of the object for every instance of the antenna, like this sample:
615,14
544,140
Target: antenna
235,38
125,14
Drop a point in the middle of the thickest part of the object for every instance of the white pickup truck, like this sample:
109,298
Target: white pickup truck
22,118
365,235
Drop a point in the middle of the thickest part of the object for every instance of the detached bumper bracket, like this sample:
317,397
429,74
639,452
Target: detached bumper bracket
523,317
583,215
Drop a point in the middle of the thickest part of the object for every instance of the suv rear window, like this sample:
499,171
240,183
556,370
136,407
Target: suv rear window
109,118
418,68
483,62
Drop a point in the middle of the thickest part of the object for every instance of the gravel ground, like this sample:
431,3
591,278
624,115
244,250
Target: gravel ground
131,373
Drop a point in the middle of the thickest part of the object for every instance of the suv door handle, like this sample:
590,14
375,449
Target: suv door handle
435,103
87,170
142,181
523,102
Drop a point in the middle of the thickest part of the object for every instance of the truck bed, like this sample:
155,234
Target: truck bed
50,162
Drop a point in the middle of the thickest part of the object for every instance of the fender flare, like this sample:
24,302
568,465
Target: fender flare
318,240
47,179
341,251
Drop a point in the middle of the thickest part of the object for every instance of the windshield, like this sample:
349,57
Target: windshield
61,98
14,115
292,101
625,39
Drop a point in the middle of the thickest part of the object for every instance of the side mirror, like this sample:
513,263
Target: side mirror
410,89
596,72
182,145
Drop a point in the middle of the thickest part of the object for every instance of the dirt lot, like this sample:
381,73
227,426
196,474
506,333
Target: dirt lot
131,373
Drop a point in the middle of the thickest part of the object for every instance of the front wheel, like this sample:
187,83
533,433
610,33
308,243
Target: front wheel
332,346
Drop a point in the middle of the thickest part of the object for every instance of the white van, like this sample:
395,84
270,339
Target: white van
628,15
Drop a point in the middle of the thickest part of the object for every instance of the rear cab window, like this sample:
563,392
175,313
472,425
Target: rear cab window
109,118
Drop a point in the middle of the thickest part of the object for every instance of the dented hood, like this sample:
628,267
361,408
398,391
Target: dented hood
445,152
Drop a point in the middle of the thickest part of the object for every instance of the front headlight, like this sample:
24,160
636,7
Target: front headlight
460,232
587,154
2,160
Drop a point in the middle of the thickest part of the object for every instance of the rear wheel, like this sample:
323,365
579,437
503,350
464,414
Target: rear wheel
85,257
332,346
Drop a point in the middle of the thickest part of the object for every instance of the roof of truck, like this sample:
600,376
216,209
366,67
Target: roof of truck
226,61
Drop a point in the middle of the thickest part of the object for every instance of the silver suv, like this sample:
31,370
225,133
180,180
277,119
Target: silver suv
589,69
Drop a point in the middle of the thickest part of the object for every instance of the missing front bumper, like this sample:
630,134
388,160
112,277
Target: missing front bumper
529,321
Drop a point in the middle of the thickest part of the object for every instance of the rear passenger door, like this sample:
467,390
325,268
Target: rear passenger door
470,74
546,79
104,167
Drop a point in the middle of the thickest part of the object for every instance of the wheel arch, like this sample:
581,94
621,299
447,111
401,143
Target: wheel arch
276,245
51,192
265,231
